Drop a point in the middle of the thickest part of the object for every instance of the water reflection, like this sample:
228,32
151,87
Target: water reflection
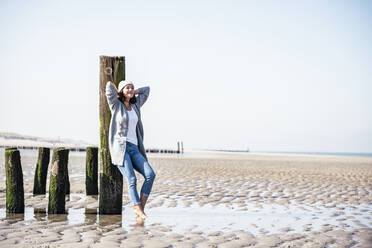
207,218
40,214
109,220
91,215
95,197
72,216
39,210
57,217
140,221
14,218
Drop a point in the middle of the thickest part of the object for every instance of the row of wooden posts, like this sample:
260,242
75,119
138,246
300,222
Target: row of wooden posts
179,149
112,68
59,183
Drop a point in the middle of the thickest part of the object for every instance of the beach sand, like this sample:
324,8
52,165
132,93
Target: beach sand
233,200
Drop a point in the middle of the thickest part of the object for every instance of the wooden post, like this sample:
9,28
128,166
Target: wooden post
91,172
67,179
15,201
178,147
57,183
111,181
41,171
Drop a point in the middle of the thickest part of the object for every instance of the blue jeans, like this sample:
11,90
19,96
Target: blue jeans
133,159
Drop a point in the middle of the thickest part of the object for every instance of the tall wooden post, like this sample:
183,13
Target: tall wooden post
15,202
41,171
111,181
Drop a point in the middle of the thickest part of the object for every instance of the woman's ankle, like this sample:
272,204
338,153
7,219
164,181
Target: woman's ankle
138,207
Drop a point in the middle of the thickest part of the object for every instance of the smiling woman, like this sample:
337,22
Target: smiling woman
128,91
126,139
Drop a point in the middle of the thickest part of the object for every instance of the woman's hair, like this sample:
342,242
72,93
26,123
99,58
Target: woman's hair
121,98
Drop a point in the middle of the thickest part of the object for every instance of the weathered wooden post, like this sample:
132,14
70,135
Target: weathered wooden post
111,181
67,179
57,183
178,147
15,201
41,171
91,171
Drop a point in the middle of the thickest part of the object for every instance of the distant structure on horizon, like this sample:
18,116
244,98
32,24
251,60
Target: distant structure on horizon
179,149
228,150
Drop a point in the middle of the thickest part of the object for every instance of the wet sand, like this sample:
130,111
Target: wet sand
233,200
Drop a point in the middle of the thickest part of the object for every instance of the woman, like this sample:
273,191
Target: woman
126,139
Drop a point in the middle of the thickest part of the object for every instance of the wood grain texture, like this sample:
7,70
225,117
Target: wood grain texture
111,181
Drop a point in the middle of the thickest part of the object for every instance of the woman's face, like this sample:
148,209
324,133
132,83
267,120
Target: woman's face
128,91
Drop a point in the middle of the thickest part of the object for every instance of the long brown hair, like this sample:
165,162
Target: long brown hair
121,98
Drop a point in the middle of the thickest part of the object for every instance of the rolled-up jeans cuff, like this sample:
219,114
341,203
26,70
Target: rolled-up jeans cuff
133,203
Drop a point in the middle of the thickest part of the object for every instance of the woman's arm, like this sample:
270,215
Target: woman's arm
111,95
143,94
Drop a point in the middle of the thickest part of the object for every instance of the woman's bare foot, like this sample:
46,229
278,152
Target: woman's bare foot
139,212
140,221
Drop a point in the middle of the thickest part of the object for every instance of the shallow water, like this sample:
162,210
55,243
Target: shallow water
258,219
260,195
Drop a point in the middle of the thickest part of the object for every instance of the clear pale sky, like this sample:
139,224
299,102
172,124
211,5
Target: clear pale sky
268,75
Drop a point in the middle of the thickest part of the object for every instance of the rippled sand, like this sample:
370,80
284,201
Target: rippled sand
235,200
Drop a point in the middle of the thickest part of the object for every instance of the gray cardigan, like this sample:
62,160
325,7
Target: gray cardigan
119,123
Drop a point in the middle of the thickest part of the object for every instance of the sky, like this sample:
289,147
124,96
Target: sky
258,75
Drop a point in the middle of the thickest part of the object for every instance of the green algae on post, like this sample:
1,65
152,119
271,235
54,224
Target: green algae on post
15,201
91,173
57,183
41,171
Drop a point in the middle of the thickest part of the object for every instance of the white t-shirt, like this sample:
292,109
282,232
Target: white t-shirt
132,123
